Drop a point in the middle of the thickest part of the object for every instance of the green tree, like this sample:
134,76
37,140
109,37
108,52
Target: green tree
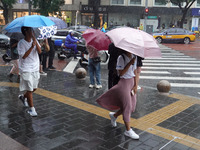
44,7
5,5
184,6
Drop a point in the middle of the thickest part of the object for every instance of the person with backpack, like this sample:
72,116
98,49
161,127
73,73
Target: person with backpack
114,53
122,97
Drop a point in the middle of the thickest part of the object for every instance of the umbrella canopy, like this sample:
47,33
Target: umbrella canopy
34,21
96,39
46,32
135,41
58,22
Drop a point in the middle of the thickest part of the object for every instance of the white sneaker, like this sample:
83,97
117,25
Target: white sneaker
32,112
24,100
91,86
131,134
43,73
113,119
98,86
138,87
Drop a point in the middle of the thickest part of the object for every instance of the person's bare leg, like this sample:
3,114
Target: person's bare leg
118,113
29,96
127,125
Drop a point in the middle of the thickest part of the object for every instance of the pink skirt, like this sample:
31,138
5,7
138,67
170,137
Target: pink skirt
119,97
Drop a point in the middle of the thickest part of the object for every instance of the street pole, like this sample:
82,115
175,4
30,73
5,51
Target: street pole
145,19
29,7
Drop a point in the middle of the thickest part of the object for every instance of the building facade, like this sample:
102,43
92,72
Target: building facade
113,12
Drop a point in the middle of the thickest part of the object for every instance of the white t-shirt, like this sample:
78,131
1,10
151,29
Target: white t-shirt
30,63
122,62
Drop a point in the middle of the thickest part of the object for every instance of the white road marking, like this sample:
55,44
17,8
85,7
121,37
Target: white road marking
156,72
170,68
169,61
195,73
158,64
185,85
71,66
170,78
172,58
175,56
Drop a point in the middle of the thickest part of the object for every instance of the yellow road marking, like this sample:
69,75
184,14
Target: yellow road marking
144,123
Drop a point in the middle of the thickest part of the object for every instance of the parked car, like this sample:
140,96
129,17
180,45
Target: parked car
175,35
80,28
4,41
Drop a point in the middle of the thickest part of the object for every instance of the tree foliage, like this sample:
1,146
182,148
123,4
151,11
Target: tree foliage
184,6
44,7
5,5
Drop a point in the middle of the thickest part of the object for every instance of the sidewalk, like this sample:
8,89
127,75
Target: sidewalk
69,118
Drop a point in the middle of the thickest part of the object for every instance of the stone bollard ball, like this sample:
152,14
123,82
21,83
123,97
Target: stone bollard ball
80,73
163,86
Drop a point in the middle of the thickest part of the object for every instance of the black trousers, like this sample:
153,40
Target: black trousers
113,78
51,57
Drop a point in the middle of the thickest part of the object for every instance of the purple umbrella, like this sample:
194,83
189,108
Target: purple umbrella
58,22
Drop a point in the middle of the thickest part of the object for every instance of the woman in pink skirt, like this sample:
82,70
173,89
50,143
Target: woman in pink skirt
122,97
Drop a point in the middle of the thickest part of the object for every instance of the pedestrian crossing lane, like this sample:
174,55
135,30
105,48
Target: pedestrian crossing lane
180,70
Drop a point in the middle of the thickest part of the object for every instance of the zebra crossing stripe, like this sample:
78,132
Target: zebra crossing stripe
185,85
192,73
172,58
170,78
169,61
158,64
170,68
156,72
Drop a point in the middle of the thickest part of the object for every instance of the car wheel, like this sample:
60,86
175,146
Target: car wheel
186,40
159,40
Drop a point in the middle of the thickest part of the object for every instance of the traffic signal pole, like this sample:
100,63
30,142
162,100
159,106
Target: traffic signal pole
145,19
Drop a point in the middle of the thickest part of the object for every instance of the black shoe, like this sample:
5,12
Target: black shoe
10,75
52,68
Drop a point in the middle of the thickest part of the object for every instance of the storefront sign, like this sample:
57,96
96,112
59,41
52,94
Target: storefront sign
91,9
151,17
195,11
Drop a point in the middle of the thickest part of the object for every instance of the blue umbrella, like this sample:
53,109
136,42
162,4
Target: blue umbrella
34,21
58,22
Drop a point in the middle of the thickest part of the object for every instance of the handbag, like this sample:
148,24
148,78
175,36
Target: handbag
96,59
47,48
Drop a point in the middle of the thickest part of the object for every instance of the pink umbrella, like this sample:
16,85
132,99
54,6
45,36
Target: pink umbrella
135,41
96,39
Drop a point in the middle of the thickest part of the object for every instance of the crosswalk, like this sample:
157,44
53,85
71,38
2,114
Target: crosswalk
180,70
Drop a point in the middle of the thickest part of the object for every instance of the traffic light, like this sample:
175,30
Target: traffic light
146,11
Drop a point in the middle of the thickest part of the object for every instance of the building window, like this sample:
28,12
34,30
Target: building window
160,2
22,1
117,2
198,3
135,2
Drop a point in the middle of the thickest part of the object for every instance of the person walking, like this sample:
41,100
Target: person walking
14,56
94,68
70,43
139,67
51,55
28,49
113,77
122,97
43,56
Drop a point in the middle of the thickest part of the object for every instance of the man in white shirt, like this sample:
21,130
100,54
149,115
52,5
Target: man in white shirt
28,50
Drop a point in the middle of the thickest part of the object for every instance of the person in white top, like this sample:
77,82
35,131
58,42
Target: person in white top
122,97
28,50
